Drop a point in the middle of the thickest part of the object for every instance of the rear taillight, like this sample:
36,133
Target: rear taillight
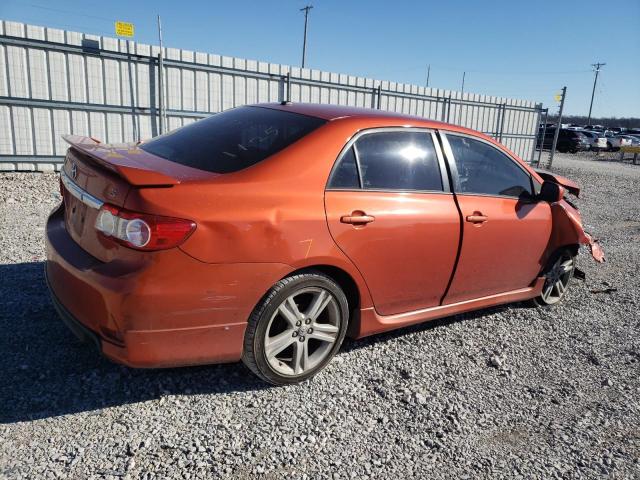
142,231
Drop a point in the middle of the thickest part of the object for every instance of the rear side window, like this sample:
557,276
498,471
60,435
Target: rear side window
232,140
483,169
345,175
398,161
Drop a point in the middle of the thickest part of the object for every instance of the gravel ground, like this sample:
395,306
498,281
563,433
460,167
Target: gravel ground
506,392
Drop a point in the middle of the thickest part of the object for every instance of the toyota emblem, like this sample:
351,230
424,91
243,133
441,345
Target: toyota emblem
74,171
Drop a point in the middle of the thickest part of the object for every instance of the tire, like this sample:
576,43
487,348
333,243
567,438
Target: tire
558,274
286,340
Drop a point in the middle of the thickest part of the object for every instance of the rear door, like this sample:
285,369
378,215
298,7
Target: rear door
390,210
504,232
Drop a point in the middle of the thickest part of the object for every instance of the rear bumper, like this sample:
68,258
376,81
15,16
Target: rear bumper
165,310
79,330
167,348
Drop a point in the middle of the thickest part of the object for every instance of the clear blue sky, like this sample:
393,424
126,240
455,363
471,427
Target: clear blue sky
508,48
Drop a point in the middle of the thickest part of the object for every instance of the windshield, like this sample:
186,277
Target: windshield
232,140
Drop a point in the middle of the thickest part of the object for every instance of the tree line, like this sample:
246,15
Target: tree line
627,122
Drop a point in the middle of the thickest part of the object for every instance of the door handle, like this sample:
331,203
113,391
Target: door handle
477,217
357,218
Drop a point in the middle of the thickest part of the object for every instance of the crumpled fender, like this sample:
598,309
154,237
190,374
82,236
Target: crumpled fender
571,186
568,230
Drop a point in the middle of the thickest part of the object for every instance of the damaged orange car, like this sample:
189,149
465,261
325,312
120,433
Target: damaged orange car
267,233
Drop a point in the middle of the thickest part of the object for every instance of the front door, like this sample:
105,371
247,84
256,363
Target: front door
389,209
505,233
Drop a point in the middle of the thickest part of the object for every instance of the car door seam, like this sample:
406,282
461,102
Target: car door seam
452,183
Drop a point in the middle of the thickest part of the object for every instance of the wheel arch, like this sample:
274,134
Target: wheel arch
348,285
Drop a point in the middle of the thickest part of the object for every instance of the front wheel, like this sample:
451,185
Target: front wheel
296,328
557,274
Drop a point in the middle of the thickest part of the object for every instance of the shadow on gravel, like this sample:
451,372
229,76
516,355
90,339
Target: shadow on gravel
47,372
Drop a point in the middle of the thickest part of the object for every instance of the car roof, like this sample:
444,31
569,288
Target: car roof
335,112
372,117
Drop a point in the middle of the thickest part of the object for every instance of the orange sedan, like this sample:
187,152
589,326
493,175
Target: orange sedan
267,233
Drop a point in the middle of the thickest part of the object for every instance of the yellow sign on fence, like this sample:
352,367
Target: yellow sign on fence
124,29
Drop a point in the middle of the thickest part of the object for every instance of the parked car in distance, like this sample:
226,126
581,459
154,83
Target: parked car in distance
634,139
267,233
617,130
615,141
568,140
597,141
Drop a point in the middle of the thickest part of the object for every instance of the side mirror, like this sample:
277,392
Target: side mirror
551,192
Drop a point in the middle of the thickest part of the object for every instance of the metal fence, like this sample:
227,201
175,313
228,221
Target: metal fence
54,82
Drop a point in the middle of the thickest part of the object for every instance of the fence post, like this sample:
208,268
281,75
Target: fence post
538,138
557,133
379,96
496,130
504,114
544,133
289,87
448,107
160,93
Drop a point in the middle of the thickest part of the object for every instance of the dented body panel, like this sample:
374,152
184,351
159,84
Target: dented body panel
256,226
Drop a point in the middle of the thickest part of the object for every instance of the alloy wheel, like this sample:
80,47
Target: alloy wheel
557,279
302,331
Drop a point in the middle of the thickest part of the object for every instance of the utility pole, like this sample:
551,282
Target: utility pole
160,81
464,74
595,81
428,73
558,125
304,43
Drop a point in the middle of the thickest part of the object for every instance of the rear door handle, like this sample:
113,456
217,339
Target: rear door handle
477,217
357,219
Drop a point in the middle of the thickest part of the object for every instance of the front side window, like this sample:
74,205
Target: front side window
485,170
232,140
398,160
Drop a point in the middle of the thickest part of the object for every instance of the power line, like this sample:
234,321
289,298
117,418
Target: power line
69,11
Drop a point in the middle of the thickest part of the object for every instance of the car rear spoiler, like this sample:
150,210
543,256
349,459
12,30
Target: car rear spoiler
571,186
133,164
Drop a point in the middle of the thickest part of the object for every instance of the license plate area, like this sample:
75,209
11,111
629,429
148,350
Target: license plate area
75,215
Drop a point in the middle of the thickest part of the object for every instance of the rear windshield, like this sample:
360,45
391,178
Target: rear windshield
232,140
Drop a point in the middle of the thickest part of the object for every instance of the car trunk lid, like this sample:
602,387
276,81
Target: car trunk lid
95,174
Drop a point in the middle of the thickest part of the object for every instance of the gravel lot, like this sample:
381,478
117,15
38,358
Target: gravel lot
506,392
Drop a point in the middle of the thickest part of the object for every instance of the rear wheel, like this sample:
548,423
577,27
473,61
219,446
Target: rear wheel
557,274
296,329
